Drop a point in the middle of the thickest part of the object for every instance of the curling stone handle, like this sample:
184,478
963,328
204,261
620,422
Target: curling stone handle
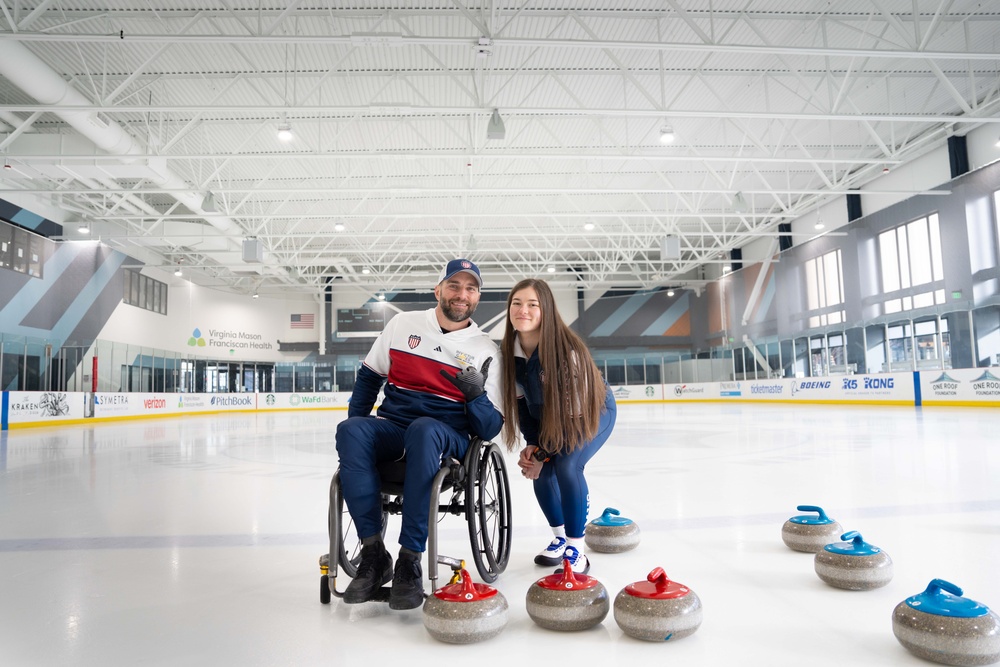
853,535
814,508
609,512
658,578
938,585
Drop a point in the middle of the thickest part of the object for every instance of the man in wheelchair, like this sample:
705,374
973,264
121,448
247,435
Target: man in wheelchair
438,392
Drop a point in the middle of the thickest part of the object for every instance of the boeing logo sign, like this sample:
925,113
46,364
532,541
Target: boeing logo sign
809,385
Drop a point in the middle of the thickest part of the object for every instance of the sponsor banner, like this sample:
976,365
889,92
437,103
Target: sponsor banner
960,385
303,400
698,391
108,404
44,406
637,392
888,388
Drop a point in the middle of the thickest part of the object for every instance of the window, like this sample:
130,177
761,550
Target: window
911,264
144,292
22,251
825,289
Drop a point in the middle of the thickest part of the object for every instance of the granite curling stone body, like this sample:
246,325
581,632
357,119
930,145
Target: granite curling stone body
567,602
853,564
611,533
465,612
941,626
657,609
810,533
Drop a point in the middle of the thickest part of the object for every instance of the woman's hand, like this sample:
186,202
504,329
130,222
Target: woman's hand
530,467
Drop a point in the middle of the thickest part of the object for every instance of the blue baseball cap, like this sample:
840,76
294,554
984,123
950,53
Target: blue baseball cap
459,265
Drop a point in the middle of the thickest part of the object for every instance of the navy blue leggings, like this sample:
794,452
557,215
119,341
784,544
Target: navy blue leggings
561,488
363,442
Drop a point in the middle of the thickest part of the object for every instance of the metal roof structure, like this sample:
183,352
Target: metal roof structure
525,135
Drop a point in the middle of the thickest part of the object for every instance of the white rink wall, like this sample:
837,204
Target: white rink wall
976,387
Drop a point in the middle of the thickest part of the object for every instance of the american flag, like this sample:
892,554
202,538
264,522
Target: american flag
303,321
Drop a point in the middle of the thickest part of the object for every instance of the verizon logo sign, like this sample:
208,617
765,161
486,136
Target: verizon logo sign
154,403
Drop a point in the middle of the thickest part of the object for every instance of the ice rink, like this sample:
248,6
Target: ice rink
194,541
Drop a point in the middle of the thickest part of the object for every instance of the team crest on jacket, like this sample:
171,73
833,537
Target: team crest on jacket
465,358
413,341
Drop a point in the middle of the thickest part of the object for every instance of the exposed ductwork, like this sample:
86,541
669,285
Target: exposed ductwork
34,77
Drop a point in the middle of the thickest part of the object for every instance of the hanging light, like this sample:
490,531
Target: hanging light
338,227
670,292
285,129
255,295
588,226
178,272
551,269
667,135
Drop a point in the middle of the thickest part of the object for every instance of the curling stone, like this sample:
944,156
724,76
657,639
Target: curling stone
465,612
854,564
611,534
566,601
941,626
657,610
810,533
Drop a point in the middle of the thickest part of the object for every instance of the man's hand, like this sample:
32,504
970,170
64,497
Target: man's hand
470,381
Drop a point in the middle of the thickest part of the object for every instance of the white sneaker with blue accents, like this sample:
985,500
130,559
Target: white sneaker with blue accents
552,554
578,562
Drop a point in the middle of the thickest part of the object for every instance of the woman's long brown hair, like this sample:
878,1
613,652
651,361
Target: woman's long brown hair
573,390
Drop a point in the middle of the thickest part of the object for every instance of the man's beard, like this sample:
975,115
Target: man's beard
454,316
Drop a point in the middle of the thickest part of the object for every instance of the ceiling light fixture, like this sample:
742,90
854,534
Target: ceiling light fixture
551,269
178,272
285,129
366,270
740,204
588,226
381,297
819,224
255,295
997,144
339,227
667,135
83,229
885,170
495,129
208,204
6,162
670,292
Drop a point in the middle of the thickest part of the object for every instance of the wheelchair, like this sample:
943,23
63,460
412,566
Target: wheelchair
476,487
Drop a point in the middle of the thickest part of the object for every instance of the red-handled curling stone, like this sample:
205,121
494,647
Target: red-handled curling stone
611,533
567,602
853,564
465,612
942,626
658,609
810,533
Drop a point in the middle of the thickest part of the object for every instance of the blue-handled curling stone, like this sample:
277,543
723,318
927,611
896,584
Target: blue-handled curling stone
853,564
942,626
810,533
611,533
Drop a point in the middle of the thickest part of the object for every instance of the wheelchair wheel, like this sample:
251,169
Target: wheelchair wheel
488,510
349,555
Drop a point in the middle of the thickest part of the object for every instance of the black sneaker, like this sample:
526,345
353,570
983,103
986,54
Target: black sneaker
407,583
374,570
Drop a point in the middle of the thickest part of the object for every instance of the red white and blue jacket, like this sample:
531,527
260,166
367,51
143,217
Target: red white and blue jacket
408,356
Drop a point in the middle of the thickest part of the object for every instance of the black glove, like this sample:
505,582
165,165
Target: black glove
470,381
